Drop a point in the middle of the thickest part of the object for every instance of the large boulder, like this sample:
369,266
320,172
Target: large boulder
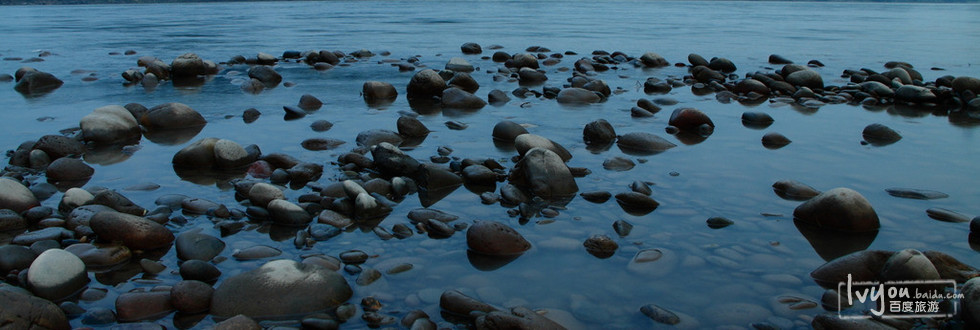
455,98
265,74
653,60
805,78
526,142
391,161
577,95
280,287
495,239
188,65
15,196
23,311
172,116
110,124
426,83
69,170
134,232
544,173
56,274
37,82
840,209
375,92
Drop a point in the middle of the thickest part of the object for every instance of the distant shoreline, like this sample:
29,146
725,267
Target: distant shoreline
99,2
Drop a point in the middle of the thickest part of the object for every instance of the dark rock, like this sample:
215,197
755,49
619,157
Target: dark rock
497,97
915,193
722,64
135,232
188,65
411,127
37,83
523,60
945,215
805,78
773,140
643,143
778,59
57,146
495,239
69,169
138,306
792,190
862,266
24,311
577,95
660,314
636,203
691,120
654,60
15,257
391,161
265,74
319,144
622,228
297,288
198,270
372,137
840,209
596,196
455,98
600,246
880,135
195,245
525,142
719,222
191,296
598,132
118,202
915,94
286,213
378,92
426,83
507,131
544,173
468,48
516,318
757,120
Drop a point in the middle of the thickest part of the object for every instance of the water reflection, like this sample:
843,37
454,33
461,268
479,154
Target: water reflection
831,244
489,263
172,136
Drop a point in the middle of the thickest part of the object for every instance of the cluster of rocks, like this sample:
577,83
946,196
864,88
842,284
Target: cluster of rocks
31,82
186,69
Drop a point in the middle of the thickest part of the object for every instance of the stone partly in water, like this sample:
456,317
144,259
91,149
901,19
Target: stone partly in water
69,170
861,266
280,288
34,83
643,143
195,245
56,274
773,140
172,116
598,132
455,98
840,209
575,95
24,311
916,193
908,265
636,203
544,173
880,135
495,239
692,120
135,232
378,92
109,125
143,305
793,190
425,84
600,246
508,131
15,196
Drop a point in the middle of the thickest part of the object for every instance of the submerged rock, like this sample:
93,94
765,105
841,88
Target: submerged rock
577,95
34,82
296,288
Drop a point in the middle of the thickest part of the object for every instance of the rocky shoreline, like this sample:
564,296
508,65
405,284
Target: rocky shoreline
56,244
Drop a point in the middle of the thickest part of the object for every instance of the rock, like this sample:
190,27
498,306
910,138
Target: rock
544,172
660,314
945,215
15,257
391,161
507,131
172,116
598,132
497,97
653,262
964,83
195,245
749,85
468,48
863,265
411,127
805,78
239,322
577,95
191,297
321,125
320,144
479,175
109,125
523,60
188,65
262,193
37,83
773,140
135,232
596,196
100,257
971,301
296,288
378,92
654,60
286,213
495,239
250,115
118,202
199,271
877,89
618,163
636,203
265,74
24,311
705,75
464,81
69,169
15,196
908,265
722,64
309,102
516,318
198,155
778,59
372,137
525,142
691,120
916,193
57,146
719,222
840,209
458,64
456,302
143,305
600,246
56,274
642,143
455,98
793,190
425,84
531,77
757,120
915,94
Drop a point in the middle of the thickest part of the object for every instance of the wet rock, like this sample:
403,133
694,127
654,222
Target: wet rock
877,89
196,206
705,75
915,193
516,318
908,265
598,132
172,116
479,175
188,65
757,120
507,131
100,256
643,143
778,59
915,94
191,296
719,222
691,120
773,140
286,213
577,95
320,144
495,239
653,262
636,203
367,276
880,135
22,310
523,60
265,74
391,161
863,265
305,172
497,97
411,127
805,78
660,314
964,83
722,64
98,316
544,173
458,303
459,64
622,228
15,196
261,193
57,146
146,305
297,288
596,196
840,209
455,98
654,60
135,232
465,81
525,142
793,190
467,48
110,124
309,102
531,77
196,245
251,115
15,257
69,169
600,246
618,163
56,274
425,84
372,137
37,83
118,202
378,92
945,215
198,270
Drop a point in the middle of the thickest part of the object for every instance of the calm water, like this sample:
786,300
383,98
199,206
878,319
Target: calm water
760,258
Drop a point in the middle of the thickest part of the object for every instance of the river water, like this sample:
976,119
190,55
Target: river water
731,276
